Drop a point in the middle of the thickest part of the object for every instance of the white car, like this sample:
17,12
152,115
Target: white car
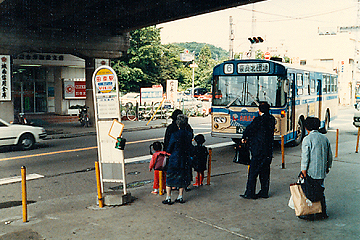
24,136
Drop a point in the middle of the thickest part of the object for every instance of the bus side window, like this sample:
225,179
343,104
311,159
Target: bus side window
312,86
324,84
299,83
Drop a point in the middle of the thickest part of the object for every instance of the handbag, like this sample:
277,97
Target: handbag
302,205
161,162
242,154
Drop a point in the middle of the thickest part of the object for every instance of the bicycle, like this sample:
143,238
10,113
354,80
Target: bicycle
130,112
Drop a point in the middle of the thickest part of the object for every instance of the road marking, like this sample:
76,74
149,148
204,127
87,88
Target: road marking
76,150
147,158
18,178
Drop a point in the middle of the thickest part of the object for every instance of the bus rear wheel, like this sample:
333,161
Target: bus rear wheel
300,132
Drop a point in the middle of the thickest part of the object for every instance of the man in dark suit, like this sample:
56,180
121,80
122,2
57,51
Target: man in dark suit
260,136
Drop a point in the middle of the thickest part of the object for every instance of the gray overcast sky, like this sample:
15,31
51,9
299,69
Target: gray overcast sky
291,22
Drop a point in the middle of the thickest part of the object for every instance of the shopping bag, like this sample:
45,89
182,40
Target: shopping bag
302,205
242,154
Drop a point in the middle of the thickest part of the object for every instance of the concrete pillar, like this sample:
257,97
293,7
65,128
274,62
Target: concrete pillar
89,71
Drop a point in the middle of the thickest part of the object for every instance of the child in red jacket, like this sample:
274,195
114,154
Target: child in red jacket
157,146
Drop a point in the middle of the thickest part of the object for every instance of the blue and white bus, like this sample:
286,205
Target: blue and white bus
293,92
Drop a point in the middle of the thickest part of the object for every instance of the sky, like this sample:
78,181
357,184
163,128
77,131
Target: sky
292,24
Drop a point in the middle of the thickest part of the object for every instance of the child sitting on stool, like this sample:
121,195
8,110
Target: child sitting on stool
200,159
157,146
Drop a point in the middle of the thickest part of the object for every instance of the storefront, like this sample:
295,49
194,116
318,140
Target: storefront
47,83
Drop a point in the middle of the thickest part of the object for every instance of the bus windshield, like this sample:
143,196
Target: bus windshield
248,90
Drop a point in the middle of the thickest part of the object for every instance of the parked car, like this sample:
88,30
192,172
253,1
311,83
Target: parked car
357,115
197,91
205,97
130,99
23,136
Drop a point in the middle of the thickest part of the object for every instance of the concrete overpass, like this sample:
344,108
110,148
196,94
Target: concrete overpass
88,29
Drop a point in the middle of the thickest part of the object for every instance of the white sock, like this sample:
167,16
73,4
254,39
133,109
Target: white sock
168,198
179,197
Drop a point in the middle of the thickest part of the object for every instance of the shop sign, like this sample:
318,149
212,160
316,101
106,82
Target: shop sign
5,78
105,81
74,89
151,95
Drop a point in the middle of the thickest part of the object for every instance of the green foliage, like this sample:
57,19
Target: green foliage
148,62
217,53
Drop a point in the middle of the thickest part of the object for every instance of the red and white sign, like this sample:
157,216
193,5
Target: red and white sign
267,55
74,89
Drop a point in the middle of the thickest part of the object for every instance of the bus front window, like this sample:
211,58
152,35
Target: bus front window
248,90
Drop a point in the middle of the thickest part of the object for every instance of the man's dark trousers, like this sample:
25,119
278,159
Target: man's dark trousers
259,167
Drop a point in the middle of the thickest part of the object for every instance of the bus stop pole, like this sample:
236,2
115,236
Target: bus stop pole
100,198
209,167
24,194
337,143
282,152
357,142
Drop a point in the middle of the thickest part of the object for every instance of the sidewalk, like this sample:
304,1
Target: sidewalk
73,129
210,212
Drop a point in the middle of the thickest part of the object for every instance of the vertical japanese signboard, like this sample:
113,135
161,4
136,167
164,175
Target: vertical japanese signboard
5,78
171,90
107,109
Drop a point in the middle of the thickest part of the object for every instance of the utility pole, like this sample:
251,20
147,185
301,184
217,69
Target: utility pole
231,39
253,25
356,58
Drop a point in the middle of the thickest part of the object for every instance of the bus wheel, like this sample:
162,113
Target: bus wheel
327,121
300,132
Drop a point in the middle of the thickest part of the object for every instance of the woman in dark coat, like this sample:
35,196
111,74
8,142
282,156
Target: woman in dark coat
179,166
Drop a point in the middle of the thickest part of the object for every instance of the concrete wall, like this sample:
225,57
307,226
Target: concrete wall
7,111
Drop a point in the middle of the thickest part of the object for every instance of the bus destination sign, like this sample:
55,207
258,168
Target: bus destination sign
253,68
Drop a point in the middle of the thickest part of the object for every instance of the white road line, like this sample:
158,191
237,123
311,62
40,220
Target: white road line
147,158
18,178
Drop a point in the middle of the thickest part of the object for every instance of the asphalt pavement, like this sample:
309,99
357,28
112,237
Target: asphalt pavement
212,211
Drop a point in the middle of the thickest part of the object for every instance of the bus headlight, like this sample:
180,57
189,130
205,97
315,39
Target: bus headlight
216,126
220,119
277,125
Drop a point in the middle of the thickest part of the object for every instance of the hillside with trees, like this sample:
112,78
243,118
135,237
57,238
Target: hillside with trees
148,62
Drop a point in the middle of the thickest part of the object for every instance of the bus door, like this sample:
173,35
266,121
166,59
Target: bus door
319,97
291,103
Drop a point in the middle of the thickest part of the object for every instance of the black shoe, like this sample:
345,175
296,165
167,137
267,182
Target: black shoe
261,196
179,200
168,202
187,189
247,196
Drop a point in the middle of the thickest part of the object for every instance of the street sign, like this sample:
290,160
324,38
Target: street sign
108,126
186,56
267,55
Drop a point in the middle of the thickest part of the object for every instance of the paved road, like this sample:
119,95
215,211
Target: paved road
210,212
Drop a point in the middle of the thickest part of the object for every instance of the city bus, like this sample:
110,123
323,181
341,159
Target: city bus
293,92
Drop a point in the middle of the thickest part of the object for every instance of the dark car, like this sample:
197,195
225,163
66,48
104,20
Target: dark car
197,91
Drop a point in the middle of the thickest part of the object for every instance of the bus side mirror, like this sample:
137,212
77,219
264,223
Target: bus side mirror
286,86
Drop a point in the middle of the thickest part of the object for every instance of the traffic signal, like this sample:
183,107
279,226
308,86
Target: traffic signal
255,40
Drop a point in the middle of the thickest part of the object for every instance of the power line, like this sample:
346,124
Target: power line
291,18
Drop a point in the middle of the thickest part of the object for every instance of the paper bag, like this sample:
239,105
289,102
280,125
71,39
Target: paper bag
303,206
